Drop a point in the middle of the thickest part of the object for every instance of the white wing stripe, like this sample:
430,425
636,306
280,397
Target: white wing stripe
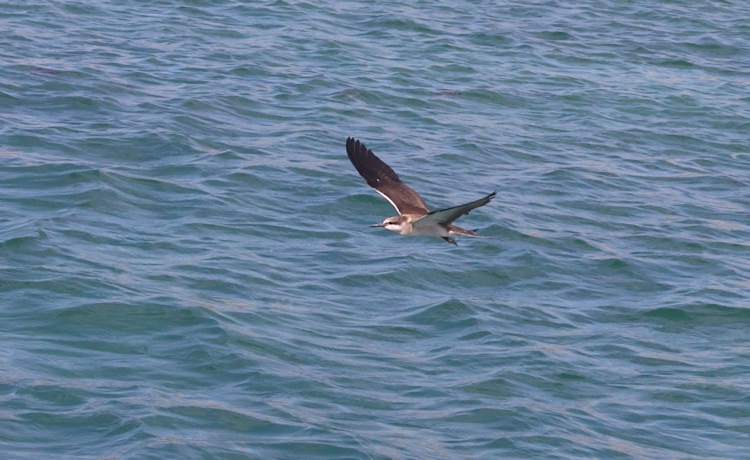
389,200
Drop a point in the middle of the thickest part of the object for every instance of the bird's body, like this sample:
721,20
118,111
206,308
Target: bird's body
415,218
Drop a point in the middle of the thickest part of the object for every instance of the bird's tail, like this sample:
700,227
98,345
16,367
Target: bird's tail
454,230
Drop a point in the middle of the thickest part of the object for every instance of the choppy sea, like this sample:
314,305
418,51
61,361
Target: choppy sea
187,268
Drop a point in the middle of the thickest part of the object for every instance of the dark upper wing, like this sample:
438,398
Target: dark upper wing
446,216
384,180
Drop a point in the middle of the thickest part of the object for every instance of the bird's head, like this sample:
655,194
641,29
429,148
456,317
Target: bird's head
394,224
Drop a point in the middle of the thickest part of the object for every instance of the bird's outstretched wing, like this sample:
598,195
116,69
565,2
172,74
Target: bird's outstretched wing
384,180
448,215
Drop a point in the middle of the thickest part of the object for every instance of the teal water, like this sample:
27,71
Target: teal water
187,271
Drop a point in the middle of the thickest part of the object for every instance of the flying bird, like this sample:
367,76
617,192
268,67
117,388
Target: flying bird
415,218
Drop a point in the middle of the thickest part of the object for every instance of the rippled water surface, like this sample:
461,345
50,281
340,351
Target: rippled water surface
187,271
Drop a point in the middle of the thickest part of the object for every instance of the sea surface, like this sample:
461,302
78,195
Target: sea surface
187,269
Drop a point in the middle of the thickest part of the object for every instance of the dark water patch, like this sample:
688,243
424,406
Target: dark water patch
12,237
687,316
444,315
670,314
556,35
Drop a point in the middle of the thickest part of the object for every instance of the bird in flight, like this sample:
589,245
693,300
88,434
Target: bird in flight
414,218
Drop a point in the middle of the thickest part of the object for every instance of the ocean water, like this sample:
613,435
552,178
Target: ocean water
187,271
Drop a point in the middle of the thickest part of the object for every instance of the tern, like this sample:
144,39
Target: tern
415,218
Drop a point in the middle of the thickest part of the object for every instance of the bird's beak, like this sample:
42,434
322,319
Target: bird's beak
377,225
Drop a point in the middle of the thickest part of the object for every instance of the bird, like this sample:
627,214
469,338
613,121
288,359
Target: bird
414,217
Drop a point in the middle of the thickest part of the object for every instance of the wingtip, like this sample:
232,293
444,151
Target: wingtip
355,147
